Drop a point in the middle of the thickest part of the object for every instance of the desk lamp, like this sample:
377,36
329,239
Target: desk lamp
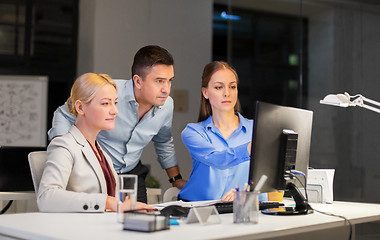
345,100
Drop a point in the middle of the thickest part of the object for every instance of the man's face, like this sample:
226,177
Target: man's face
154,88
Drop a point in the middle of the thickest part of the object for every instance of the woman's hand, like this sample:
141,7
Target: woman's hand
143,206
229,196
127,205
111,204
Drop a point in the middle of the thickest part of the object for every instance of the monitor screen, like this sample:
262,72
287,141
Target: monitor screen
271,154
14,168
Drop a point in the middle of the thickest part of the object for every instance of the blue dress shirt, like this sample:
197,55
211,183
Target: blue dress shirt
125,143
218,164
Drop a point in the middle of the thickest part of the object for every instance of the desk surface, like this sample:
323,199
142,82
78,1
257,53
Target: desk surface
104,225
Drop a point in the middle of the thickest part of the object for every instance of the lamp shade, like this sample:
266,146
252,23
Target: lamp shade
340,100
345,100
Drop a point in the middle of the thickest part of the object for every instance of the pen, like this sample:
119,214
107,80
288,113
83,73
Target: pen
246,187
249,185
237,191
260,183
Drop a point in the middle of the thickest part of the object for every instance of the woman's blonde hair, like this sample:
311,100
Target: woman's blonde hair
85,87
205,109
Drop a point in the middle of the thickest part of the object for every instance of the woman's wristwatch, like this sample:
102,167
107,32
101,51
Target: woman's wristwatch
175,178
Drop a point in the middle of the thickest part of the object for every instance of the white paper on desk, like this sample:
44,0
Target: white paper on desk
186,204
325,178
160,206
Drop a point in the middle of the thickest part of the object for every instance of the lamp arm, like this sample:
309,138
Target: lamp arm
371,101
361,100
370,108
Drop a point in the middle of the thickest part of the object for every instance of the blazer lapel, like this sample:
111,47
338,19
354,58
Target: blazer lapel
90,157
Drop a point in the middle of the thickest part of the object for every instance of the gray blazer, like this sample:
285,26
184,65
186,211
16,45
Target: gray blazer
73,180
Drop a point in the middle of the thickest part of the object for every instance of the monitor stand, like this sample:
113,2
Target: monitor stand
302,207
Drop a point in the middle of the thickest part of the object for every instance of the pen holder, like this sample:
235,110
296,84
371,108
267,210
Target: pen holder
246,207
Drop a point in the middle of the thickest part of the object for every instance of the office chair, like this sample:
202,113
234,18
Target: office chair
170,194
37,164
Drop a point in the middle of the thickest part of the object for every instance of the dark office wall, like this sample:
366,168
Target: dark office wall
343,54
264,48
347,58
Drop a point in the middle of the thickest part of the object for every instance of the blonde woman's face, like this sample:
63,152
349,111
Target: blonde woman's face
222,91
101,112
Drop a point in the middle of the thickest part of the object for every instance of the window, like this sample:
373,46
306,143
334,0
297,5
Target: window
264,48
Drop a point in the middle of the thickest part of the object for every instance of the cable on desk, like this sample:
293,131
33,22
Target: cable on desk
6,207
294,174
339,216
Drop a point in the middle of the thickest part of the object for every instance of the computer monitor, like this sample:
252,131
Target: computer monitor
281,144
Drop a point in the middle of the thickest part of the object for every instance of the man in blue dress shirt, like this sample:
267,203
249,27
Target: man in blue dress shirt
145,114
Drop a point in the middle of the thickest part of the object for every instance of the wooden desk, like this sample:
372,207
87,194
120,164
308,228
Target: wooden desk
104,225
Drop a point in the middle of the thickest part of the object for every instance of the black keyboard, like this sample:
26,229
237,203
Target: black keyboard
227,207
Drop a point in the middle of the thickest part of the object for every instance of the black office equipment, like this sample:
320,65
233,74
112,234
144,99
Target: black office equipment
221,207
14,168
227,207
281,144
175,211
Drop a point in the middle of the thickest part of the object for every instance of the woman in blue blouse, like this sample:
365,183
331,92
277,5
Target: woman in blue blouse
220,143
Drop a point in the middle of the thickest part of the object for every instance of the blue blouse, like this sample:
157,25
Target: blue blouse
218,164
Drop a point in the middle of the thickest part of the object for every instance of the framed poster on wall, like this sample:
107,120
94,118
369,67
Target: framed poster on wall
23,110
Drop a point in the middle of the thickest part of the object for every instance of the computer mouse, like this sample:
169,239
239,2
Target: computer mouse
175,211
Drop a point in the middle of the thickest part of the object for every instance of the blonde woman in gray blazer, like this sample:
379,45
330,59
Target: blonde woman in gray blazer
78,175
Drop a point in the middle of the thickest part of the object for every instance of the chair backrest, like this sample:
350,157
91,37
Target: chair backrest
171,194
37,164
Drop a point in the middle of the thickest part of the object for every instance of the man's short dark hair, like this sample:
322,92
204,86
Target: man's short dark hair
148,56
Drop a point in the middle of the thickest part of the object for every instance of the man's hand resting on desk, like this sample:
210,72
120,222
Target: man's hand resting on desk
229,196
